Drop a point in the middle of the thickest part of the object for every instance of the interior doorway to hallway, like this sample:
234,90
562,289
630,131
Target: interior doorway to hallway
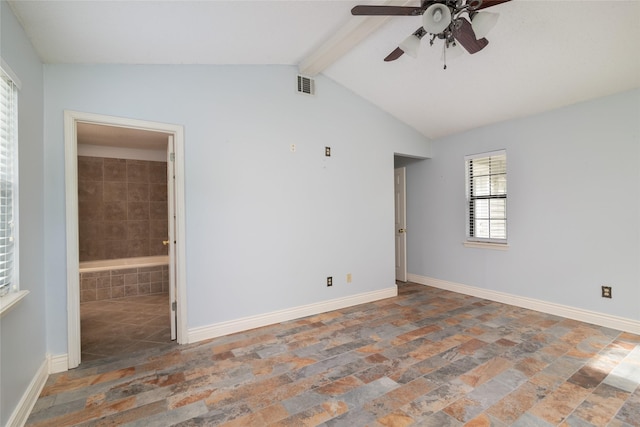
402,229
400,209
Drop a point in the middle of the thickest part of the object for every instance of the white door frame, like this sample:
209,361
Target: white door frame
171,190
71,119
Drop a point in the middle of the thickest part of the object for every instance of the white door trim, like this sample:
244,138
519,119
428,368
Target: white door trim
71,118
171,191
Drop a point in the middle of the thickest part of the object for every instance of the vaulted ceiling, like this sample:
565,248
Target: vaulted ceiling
541,55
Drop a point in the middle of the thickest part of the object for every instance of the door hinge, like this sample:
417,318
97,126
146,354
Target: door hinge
172,156
174,306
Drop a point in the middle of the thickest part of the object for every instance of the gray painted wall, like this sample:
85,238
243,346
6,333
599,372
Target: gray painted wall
22,329
264,226
573,208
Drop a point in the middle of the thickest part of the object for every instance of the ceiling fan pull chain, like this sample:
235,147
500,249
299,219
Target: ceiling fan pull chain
444,54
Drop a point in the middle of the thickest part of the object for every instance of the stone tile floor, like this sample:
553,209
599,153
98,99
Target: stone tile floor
426,358
119,326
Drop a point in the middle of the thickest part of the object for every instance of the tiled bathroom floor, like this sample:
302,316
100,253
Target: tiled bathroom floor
124,325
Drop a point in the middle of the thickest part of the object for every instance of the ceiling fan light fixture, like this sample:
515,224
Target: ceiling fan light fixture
443,20
410,45
483,22
436,18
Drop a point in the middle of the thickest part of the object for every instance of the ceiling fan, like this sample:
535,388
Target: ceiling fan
443,20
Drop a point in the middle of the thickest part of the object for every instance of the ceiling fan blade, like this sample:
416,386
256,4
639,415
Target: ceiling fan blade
489,3
467,38
387,10
397,53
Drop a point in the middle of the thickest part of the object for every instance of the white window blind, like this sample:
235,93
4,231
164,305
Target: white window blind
8,180
487,197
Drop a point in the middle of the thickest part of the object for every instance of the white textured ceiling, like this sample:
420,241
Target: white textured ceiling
541,55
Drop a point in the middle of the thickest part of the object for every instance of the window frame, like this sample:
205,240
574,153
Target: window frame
470,217
14,294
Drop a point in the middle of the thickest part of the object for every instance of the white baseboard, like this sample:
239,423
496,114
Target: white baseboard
58,363
238,325
596,318
25,405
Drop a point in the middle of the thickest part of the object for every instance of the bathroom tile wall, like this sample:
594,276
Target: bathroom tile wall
124,282
122,208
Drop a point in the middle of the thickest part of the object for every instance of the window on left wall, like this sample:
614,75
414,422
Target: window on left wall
8,183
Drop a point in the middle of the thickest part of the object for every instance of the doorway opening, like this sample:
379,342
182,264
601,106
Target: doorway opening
401,165
400,209
125,205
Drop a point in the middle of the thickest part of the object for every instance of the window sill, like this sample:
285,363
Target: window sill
11,299
487,245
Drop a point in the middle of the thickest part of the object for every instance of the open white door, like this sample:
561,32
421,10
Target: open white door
171,196
399,188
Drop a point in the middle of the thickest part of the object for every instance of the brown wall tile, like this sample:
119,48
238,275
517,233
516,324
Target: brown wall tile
115,206
88,283
115,230
117,291
143,277
116,279
89,191
158,172
115,211
137,230
158,192
131,278
158,210
151,269
115,170
88,295
137,171
137,248
138,192
123,271
109,284
90,168
114,249
159,228
103,282
90,210
103,293
115,192
91,250
91,230
137,211
130,290
157,248
155,276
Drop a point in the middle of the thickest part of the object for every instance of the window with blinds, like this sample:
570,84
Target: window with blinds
8,181
487,197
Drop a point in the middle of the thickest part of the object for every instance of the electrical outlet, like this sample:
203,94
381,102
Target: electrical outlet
327,151
348,277
329,281
606,292
292,148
